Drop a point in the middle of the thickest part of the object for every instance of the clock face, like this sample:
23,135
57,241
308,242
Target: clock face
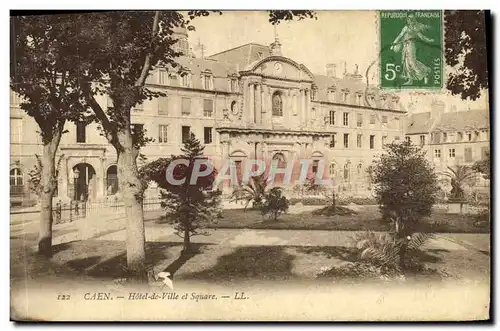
277,66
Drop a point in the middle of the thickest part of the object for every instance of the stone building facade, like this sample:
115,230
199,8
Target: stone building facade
451,138
247,102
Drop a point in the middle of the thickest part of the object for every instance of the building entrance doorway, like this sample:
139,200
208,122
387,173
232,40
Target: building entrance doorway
83,182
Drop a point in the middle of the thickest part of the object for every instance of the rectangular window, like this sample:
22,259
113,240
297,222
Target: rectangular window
451,152
162,134
80,132
208,107
346,119
445,137
469,136
396,138
207,133
372,119
372,142
359,122
186,131
333,140
422,140
359,140
408,139
358,99
162,106
332,117
185,106
476,138
16,130
384,119
384,140
437,153
468,154
346,140
460,137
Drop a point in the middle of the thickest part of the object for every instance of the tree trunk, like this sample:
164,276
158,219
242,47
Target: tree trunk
48,182
187,242
132,194
401,237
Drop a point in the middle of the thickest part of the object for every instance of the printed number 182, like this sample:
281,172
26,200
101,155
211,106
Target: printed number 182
390,71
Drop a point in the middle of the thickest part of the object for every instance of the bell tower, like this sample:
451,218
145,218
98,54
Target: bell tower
276,45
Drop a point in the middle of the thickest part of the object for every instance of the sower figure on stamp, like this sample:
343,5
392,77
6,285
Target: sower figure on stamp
409,35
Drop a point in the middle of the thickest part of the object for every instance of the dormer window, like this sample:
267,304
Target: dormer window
186,79
359,97
208,80
314,93
331,94
345,95
162,76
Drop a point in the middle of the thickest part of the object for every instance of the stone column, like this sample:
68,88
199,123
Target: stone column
269,99
251,110
265,105
304,107
62,190
101,180
258,104
246,101
294,102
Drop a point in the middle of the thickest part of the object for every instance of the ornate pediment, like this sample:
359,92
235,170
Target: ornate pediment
281,68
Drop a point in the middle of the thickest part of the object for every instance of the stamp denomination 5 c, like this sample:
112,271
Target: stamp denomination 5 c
411,52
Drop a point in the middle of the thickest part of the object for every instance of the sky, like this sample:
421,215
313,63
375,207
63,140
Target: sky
346,38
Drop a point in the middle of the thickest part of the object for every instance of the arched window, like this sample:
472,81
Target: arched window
281,160
277,104
112,180
16,181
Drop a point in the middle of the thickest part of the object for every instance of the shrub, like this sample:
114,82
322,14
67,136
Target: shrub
190,207
405,189
383,251
254,191
310,201
334,210
274,204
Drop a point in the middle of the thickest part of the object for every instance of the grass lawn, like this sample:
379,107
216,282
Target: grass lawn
366,218
105,260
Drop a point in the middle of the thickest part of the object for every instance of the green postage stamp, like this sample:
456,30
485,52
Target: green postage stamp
411,49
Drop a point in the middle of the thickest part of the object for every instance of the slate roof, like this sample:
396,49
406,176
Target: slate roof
419,123
464,120
231,61
243,55
451,121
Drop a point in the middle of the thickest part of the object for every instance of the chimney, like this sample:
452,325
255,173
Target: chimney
331,70
356,74
437,110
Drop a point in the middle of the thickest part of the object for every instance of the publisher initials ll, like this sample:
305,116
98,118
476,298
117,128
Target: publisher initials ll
240,296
